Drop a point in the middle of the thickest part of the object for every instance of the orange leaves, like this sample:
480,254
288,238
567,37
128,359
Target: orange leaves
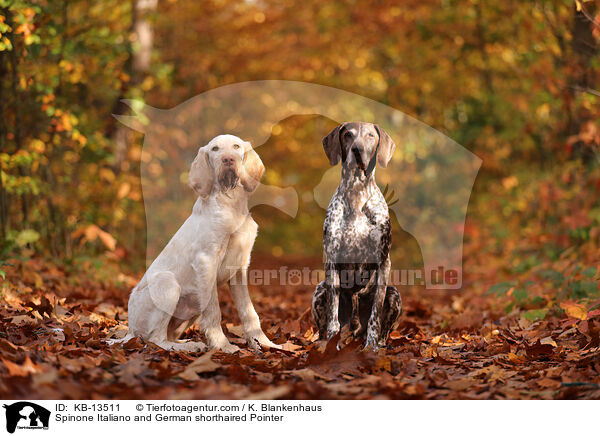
124,189
26,368
514,358
106,238
107,174
441,344
63,121
579,4
92,232
55,346
574,310
510,182
27,26
75,72
538,350
203,364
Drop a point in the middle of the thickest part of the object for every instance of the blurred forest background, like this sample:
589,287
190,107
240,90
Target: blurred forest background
514,82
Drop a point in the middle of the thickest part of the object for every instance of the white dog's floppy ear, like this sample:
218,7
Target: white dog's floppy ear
253,168
201,177
386,147
332,144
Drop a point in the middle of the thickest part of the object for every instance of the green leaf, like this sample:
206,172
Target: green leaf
589,272
554,276
535,314
500,288
27,236
520,295
526,264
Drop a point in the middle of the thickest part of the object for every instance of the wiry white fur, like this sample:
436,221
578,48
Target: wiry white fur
211,248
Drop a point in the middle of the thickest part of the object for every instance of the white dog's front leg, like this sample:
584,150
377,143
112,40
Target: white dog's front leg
210,312
253,333
210,322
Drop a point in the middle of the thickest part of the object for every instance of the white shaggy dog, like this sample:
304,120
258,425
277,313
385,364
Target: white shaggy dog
211,248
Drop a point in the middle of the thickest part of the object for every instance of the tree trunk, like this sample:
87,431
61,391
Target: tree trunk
137,65
583,76
3,200
16,108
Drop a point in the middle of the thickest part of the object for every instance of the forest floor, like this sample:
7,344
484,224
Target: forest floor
449,345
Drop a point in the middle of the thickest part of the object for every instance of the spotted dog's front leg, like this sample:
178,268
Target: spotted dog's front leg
392,309
319,308
333,301
374,329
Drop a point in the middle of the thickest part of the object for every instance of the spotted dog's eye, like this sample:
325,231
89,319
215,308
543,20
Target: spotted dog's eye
370,135
236,146
215,148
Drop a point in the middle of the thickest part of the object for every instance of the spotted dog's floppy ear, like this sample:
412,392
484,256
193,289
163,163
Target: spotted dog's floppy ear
332,144
253,168
386,147
201,176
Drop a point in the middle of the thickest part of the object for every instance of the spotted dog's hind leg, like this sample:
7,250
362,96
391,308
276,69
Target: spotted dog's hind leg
319,308
392,309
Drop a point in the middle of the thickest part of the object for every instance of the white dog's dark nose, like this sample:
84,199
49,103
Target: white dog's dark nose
228,161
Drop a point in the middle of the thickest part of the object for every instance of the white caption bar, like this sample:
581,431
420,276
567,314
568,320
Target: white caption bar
23,417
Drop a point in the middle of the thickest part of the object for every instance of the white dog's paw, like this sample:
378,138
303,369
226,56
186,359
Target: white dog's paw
185,346
270,344
111,342
190,346
228,348
256,341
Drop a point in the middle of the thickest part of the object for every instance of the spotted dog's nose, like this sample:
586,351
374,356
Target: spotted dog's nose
360,155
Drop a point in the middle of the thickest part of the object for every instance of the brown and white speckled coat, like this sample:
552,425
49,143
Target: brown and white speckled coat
357,240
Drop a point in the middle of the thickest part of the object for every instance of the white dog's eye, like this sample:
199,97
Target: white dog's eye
215,148
236,146
370,135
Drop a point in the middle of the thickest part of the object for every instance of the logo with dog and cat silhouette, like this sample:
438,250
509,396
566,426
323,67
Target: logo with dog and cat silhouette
25,415
428,185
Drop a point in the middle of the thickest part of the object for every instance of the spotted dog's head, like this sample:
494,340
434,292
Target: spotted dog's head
223,163
359,145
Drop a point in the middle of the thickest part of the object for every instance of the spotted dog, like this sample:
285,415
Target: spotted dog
357,240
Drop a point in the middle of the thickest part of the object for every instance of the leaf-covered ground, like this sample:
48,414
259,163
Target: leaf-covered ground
448,346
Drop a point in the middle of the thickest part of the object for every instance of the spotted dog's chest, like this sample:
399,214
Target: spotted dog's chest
354,236
357,232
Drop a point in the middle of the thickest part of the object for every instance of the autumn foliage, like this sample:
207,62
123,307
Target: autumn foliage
514,82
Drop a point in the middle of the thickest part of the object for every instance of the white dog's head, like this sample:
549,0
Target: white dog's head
223,163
